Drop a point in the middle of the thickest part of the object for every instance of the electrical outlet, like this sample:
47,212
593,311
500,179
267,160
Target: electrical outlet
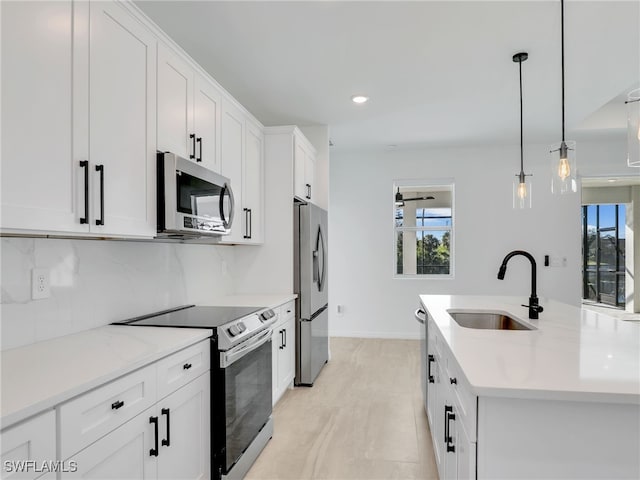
40,283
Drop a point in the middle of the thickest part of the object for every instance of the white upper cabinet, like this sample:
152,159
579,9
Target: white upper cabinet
122,128
207,112
175,105
243,163
39,166
78,110
232,158
304,168
189,111
253,180
89,95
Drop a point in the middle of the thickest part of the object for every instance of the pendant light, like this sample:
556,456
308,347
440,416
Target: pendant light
633,128
563,154
521,186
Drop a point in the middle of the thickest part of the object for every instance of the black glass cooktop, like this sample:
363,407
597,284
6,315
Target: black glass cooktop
193,317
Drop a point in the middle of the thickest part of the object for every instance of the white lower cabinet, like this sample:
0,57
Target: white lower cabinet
138,427
32,441
169,440
488,437
123,453
451,409
283,351
184,416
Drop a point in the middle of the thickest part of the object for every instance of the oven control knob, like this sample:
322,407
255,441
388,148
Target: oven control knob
233,330
267,315
241,327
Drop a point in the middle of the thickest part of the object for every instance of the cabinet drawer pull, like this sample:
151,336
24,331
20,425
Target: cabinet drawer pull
199,140
431,359
154,451
100,169
167,441
186,366
454,380
117,405
448,415
85,164
192,155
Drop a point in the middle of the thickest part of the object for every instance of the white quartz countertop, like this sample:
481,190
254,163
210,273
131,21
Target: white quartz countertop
573,354
39,376
267,301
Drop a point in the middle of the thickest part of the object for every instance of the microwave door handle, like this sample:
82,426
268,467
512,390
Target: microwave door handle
227,221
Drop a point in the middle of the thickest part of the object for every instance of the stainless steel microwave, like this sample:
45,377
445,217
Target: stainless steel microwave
193,201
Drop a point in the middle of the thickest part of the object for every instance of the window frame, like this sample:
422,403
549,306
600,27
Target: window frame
435,183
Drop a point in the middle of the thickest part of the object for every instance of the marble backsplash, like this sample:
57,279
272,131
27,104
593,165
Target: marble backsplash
95,282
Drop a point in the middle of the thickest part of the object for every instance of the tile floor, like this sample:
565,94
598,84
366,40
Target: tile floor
362,419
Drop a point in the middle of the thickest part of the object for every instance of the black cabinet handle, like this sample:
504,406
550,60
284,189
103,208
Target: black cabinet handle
186,366
247,222
199,140
431,359
117,405
100,169
85,164
154,451
454,381
285,337
281,332
448,415
192,136
167,441
250,223
308,191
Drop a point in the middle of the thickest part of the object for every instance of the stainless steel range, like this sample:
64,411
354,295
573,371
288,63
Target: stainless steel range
241,423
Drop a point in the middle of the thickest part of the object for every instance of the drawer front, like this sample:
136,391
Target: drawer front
33,440
180,368
288,309
466,402
88,417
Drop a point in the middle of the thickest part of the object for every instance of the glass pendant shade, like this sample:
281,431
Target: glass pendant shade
633,128
564,171
522,192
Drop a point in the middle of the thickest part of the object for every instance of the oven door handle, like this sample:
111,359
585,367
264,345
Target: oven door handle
229,357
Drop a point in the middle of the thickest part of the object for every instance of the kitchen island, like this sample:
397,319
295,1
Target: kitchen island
557,400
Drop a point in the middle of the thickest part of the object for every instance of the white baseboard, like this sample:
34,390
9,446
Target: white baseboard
387,335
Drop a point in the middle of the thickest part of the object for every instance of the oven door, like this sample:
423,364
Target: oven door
247,393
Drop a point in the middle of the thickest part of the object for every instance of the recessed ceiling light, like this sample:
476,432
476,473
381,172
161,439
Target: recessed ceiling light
359,99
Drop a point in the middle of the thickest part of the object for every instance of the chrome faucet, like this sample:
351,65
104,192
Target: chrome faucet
534,308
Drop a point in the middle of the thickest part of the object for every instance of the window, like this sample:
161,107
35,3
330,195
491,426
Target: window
423,216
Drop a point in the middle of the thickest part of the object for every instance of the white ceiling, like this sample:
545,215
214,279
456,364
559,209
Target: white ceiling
437,72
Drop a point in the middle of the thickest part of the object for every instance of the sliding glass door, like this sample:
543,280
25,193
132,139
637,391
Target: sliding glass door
603,253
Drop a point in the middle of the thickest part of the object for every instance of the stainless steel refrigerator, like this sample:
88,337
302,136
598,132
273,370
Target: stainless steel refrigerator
310,283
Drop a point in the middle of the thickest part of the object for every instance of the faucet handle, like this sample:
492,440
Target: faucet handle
537,308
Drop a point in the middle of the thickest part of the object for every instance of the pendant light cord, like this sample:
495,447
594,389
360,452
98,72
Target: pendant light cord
562,59
521,127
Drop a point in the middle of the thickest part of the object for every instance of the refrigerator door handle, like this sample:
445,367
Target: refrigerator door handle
318,259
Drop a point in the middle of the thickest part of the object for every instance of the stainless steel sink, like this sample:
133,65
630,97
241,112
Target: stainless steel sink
488,321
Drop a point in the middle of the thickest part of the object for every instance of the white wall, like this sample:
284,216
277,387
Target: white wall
486,228
94,283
